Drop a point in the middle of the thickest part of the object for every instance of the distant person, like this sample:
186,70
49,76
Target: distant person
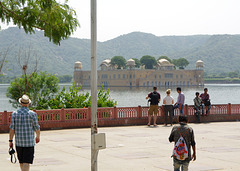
197,105
24,123
183,138
154,100
205,101
180,101
168,102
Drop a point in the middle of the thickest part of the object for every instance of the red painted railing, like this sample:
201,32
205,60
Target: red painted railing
114,113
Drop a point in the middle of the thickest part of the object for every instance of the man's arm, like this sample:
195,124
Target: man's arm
171,137
148,96
11,135
194,153
37,139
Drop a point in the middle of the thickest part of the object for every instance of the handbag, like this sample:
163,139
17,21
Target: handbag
207,103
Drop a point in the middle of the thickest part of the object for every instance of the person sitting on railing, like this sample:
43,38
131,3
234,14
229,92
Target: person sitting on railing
197,105
180,101
205,101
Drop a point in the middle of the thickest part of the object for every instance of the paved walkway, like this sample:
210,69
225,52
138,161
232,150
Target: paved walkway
133,148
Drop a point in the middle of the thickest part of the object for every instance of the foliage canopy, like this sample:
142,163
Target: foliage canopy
119,61
38,87
181,62
58,21
44,92
148,61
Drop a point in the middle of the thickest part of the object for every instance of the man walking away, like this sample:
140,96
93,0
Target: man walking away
180,101
183,138
154,100
23,125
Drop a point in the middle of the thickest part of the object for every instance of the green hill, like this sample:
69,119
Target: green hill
220,53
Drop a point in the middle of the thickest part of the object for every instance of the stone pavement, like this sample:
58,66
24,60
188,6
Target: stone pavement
132,148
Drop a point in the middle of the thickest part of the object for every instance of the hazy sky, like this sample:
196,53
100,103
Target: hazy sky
159,17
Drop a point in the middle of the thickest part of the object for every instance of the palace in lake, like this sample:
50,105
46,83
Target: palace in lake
163,75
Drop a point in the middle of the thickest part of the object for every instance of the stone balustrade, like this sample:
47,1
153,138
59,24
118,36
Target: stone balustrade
119,116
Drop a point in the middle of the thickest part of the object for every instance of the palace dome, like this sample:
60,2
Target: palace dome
78,65
164,62
131,62
199,64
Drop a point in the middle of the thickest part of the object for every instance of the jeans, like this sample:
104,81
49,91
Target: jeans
180,108
177,164
203,106
197,113
168,109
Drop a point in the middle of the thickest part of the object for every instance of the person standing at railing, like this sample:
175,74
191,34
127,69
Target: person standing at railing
197,105
24,123
180,101
168,102
155,98
205,101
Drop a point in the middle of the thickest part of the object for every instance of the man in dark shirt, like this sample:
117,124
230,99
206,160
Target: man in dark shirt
154,100
187,131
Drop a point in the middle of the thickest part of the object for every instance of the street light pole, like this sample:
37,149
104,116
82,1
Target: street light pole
94,152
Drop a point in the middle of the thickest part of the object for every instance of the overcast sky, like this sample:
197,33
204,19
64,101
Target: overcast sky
159,17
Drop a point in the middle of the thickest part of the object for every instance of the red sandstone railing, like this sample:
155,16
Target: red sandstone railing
127,115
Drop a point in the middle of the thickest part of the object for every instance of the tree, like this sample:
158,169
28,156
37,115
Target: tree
165,57
119,61
40,87
3,56
181,63
148,61
137,62
71,98
58,21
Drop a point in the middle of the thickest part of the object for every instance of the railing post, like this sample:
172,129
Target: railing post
186,109
139,112
5,118
229,109
62,114
89,113
162,110
115,112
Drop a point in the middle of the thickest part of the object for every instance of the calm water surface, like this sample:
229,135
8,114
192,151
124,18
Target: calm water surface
219,94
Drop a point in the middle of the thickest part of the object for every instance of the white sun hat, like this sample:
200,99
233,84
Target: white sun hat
24,99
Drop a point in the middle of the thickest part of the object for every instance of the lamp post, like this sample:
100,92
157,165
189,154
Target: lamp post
94,152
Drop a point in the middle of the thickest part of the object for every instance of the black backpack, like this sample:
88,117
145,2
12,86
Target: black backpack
154,98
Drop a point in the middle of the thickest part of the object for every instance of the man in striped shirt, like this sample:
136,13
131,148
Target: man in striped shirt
24,123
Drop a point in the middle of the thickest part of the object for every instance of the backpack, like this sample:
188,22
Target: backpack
180,150
154,98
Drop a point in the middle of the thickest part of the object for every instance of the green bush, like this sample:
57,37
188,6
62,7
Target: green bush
44,92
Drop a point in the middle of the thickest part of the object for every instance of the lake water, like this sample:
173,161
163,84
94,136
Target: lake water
219,94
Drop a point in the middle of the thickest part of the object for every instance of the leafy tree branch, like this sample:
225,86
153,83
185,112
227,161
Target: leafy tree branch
58,21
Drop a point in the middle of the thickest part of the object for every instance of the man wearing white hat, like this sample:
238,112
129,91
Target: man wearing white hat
24,123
